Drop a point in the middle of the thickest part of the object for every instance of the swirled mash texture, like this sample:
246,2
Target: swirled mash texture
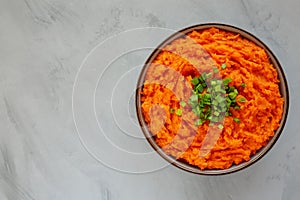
168,81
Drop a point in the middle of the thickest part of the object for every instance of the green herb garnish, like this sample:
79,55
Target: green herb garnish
179,112
198,122
208,103
237,107
236,120
215,70
195,81
182,104
209,75
232,95
199,88
242,100
220,126
226,81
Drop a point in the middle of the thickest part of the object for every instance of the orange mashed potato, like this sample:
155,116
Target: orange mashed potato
167,83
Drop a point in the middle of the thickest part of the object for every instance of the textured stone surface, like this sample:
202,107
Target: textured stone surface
42,45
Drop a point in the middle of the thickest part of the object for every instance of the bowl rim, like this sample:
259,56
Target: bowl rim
283,87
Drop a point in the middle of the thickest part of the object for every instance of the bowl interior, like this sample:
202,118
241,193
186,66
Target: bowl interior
283,87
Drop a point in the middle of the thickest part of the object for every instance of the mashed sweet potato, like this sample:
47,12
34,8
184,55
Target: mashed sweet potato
168,82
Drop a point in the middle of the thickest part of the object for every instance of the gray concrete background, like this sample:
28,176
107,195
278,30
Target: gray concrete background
43,43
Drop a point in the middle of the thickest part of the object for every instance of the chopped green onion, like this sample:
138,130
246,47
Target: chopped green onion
215,107
231,88
215,102
223,104
182,103
242,100
194,98
243,85
201,78
228,99
219,82
195,81
226,81
206,114
223,108
208,75
201,103
220,126
232,95
220,99
236,120
199,88
208,110
218,88
198,122
207,102
197,111
214,119
223,66
193,104
237,107
228,105
179,112
215,98
213,82
207,96
172,110
202,115
216,113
